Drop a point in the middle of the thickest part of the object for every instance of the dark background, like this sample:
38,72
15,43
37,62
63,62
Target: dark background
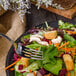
37,17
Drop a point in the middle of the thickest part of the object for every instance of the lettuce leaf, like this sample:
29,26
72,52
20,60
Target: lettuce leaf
66,25
18,74
54,68
34,66
68,37
50,63
49,54
25,37
34,45
21,74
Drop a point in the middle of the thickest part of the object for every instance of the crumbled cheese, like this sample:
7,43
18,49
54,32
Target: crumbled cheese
43,43
73,29
57,40
38,38
34,39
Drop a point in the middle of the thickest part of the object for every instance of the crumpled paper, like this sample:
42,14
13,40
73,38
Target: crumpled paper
12,27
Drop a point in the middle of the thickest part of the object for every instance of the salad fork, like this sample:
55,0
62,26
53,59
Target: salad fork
24,51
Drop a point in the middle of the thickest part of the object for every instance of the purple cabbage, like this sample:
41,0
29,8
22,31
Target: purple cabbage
43,71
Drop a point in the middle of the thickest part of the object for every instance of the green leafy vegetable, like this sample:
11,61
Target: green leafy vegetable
34,45
21,74
18,74
68,37
25,37
25,74
72,44
54,68
50,63
34,66
75,65
49,54
65,25
72,41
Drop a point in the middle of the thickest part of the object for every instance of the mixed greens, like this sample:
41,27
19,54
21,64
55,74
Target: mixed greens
59,52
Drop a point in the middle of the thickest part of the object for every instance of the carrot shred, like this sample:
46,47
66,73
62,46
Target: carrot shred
73,54
30,71
12,69
70,50
37,49
48,74
71,32
61,54
49,42
12,64
57,45
63,45
73,73
69,74
34,73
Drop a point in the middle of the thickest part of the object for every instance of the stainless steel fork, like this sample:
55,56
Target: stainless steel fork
24,51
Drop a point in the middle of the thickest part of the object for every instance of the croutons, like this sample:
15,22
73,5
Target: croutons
50,35
68,62
25,61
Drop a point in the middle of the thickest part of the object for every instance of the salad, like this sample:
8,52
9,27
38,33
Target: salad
59,51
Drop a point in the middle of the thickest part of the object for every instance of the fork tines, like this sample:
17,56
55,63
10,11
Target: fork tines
33,54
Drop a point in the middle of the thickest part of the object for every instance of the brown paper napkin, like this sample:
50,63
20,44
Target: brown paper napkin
14,28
